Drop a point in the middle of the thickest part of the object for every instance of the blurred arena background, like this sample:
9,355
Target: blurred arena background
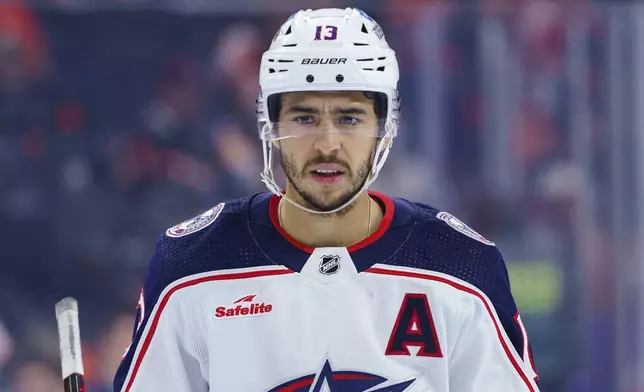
120,118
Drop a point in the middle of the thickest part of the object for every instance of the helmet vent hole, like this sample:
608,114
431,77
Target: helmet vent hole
288,31
364,29
381,69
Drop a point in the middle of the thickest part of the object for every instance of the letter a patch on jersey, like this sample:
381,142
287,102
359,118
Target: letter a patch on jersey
414,327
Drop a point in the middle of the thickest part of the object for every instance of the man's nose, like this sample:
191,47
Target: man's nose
328,140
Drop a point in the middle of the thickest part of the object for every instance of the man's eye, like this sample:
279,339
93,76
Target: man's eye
304,120
349,120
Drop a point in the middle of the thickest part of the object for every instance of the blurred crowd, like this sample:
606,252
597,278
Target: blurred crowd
116,124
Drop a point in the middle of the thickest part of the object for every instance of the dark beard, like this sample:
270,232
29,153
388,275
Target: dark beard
311,201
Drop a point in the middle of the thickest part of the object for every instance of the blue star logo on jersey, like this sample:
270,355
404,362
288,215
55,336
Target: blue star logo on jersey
341,381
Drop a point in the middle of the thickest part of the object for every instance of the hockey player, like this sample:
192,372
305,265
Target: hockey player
326,286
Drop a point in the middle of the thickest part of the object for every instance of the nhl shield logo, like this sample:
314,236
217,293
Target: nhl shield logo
329,264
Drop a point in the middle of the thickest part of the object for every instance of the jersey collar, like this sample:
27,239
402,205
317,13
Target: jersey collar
283,249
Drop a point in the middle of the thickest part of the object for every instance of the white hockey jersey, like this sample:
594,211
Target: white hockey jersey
231,303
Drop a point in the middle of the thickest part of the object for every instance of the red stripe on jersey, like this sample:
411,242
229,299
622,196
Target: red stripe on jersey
273,207
166,298
307,381
409,274
527,354
380,231
384,223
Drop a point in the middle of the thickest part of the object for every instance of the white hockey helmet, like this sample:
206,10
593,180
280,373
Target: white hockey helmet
328,50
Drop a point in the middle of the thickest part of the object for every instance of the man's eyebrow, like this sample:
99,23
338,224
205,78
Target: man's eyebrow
302,109
349,110
312,110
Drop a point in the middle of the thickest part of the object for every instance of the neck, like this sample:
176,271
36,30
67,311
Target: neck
319,230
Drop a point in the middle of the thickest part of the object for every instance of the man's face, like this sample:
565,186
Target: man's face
329,144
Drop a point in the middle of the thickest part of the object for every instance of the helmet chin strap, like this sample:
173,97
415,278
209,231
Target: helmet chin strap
380,156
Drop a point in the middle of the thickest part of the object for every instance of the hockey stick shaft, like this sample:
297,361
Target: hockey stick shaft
70,345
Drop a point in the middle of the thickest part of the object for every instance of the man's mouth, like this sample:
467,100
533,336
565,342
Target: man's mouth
328,174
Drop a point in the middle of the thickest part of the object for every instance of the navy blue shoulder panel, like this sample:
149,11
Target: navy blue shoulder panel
225,244
441,243
201,244
435,245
